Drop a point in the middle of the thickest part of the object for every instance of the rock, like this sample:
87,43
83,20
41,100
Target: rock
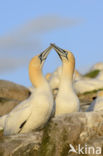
20,145
10,90
7,106
10,95
1,131
75,129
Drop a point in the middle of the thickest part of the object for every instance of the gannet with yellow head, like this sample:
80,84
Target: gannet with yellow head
34,112
47,76
66,100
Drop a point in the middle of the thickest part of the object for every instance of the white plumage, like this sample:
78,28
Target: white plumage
66,100
97,104
34,112
86,85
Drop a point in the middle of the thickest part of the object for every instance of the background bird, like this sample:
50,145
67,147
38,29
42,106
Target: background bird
97,104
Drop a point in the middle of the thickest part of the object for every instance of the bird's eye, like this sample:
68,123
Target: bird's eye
66,54
40,57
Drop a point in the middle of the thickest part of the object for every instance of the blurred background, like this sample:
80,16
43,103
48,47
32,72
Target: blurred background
27,28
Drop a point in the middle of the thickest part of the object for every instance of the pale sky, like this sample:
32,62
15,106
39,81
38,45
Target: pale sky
27,27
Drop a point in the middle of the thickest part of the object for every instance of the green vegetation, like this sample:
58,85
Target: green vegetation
94,91
92,74
47,147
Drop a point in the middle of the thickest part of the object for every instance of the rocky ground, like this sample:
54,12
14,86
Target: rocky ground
10,95
82,128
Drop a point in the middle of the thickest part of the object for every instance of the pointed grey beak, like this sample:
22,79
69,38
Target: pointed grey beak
60,51
44,54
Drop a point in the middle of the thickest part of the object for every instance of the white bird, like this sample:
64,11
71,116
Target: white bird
54,78
77,76
88,85
97,104
66,100
97,66
32,88
100,75
34,112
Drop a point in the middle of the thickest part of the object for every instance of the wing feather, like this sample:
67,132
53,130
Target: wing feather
16,120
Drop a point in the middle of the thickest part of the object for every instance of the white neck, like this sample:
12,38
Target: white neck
66,82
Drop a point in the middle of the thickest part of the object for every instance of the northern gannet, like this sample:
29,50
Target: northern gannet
54,80
97,104
87,85
32,88
66,100
77,75
55,77
100,75
97,66
34,112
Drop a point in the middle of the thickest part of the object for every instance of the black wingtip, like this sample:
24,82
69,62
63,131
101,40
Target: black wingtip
21,126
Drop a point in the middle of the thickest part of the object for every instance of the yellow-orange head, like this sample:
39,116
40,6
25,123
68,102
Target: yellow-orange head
67,58
35,67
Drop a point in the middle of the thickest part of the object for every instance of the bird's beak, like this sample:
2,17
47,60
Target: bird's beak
61,52
44,54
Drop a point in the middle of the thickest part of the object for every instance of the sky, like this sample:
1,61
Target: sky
27,27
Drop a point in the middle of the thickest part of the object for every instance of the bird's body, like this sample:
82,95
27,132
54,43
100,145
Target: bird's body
97,104
31,89
97,66
34,112
77,76
87,85
54,80
100,76
66,100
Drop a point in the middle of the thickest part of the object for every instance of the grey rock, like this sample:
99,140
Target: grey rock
10,90
10,95
20,145
55,139
75,128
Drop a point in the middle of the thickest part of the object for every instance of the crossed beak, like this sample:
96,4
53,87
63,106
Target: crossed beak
61,52
44,54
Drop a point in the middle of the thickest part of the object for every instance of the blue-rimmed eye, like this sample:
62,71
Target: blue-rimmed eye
40,57
65,54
